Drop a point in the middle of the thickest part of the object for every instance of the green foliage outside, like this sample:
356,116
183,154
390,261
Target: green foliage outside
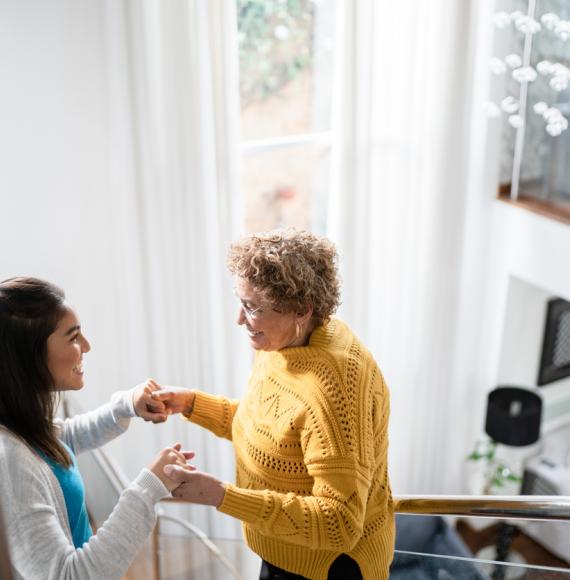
275,44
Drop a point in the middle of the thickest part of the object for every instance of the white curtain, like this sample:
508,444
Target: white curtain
397,214
173,209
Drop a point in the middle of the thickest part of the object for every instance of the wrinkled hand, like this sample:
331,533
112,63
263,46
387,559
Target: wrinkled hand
171,456
195,486
174,399
146,407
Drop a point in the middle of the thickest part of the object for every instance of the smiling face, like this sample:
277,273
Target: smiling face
267,328
65,349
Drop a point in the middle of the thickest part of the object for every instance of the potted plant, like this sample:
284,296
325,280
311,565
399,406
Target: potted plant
492,475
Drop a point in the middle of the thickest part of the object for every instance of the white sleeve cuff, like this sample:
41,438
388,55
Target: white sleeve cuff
151,485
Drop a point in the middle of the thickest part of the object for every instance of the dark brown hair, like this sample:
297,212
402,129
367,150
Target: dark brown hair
30,309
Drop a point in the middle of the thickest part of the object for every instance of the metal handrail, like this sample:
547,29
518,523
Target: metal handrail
527,507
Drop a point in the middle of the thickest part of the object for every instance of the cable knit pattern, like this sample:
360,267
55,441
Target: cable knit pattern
311,447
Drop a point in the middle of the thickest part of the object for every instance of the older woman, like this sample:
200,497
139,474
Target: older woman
310,435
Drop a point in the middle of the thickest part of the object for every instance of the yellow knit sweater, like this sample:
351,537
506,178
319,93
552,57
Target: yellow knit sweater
311,444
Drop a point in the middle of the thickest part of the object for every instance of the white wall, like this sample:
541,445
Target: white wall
55,192
532,256
53,140
522,336
56,196
522,339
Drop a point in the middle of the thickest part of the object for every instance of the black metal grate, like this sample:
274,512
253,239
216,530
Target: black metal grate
555,359
534,484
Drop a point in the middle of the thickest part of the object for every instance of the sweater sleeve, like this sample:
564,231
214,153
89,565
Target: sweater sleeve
331,518
215,413
38,535
95,428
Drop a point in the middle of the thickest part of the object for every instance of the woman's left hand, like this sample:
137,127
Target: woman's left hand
145,406
195,486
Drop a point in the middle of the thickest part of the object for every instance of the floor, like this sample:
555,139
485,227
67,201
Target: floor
533,553
188,558
184,558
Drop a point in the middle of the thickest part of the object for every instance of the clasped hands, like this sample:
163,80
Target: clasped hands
155,403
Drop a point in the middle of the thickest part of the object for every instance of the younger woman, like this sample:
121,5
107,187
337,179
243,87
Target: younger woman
41,490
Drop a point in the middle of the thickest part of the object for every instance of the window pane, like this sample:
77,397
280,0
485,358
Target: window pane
508,48
545,173
286,57
532,97
286,188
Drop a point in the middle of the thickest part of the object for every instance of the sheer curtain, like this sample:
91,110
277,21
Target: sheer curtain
172,211
397,212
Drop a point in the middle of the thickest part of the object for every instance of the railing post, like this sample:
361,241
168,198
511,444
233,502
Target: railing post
5,565
505,536
156,549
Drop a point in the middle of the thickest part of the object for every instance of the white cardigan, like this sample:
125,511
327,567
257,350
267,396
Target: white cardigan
35,516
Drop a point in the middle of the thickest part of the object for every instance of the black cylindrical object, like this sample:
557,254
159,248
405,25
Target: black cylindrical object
513,416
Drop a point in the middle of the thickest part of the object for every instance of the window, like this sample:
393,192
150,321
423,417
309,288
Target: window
286,55
532,97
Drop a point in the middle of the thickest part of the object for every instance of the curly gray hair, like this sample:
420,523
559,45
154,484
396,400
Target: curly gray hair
290,269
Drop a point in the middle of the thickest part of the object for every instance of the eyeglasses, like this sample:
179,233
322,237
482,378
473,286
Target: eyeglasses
251,313
258,311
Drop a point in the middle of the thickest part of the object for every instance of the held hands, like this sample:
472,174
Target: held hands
155,403
195,486
170,457
145,406
173,399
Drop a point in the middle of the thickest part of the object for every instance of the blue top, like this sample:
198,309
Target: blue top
74,494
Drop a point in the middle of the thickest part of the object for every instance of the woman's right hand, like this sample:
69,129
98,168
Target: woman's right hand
175,399
171,456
